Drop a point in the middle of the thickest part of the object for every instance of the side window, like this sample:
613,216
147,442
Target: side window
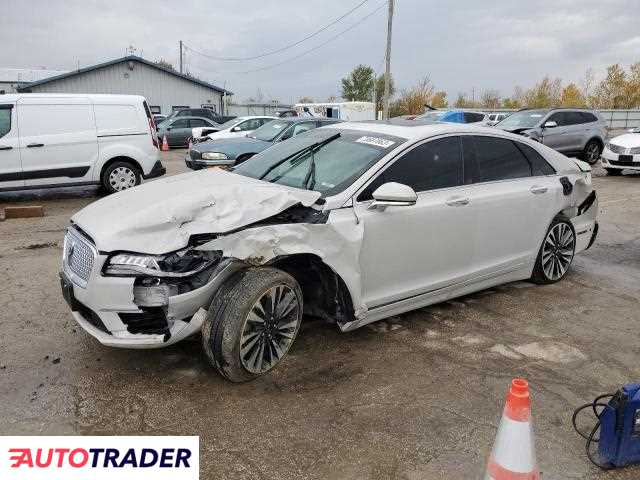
155,109
539,166
5,121
432,165
249,125
198,122
588,117
574,118
559,117
182,123
498,159
472,117
303,127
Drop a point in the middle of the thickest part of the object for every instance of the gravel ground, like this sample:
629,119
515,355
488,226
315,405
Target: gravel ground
417,396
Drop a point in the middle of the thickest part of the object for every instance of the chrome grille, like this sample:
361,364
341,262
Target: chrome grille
78,257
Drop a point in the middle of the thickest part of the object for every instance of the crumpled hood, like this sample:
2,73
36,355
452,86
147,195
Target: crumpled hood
233,147
628,140
159,217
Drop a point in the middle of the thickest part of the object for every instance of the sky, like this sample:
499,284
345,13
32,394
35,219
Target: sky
462,45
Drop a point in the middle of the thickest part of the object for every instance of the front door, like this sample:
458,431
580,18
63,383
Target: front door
58,142
10,166
178,132
411,250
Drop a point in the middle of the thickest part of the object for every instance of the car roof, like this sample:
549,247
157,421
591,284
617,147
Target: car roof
190,117
418,131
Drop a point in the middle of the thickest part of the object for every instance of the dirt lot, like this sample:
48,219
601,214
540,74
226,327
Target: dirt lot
415,397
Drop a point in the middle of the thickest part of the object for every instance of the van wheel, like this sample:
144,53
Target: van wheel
614,172
120,176
556,253
252,322
591,152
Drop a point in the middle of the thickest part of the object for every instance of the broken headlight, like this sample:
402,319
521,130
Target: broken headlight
181,264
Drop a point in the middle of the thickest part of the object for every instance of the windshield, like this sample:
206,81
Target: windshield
524,119
269,131
326,160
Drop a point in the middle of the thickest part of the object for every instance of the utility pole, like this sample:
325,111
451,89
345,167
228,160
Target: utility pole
180,56
387,72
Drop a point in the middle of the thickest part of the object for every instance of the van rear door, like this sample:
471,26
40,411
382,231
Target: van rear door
58,143
10,167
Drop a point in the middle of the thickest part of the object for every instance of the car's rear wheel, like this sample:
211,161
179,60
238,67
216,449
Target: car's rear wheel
592,151
614,172
119,176
252,322
556,253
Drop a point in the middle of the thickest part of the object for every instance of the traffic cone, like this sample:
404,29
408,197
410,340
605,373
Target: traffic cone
513,456
165,144
190,144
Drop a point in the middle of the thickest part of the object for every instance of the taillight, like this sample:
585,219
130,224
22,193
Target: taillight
152,129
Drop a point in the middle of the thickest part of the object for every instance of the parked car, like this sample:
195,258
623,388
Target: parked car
353,223
61,140
494,118
464,116
158,119
283,113
567,130
231,151
178,129
202,113
237,127
622,153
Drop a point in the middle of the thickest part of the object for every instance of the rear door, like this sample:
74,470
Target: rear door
58,142
557,137
513,199
575,131
10,166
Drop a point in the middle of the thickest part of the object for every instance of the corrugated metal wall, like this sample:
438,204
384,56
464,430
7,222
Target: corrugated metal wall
158,87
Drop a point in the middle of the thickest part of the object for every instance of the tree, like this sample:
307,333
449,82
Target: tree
412,101
490,99
611,92
587,83
358,85
332,99
572,96
462,101
380,90
439,100
306,100
161,62
545,93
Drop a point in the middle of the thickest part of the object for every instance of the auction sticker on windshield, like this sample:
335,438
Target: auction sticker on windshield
376,141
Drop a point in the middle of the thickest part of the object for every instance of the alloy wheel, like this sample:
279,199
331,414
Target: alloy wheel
593,152
557,251
122,178
269,329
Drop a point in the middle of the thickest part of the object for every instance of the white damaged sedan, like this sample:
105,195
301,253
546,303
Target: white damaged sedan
622,153
352,223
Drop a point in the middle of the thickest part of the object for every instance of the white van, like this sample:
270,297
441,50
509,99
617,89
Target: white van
49,140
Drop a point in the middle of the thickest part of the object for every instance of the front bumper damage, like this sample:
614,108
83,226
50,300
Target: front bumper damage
106,308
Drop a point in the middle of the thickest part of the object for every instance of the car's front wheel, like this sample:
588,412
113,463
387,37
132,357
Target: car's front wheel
252,322
556,253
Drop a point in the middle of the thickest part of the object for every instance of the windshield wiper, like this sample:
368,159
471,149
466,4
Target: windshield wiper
311,172
312,147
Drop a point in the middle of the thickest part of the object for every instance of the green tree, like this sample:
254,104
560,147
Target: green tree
545,93
572,96
358,85
380,90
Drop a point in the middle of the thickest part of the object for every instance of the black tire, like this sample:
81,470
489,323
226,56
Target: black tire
130,177
592,151
232,323
561,255
614,172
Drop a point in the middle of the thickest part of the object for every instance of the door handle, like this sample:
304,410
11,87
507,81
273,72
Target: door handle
457,201
537,190
34,145
6,147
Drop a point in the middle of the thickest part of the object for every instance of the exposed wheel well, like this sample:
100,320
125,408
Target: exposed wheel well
325,294
120,159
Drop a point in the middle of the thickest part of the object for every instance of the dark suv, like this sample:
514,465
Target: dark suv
202,113
567,130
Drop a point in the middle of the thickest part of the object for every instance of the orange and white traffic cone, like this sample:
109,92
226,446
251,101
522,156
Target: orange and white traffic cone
514,456
165,144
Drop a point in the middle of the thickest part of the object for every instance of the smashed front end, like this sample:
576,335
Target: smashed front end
139,301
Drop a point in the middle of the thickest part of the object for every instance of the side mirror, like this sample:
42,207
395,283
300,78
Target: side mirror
551,124
392,194
235,129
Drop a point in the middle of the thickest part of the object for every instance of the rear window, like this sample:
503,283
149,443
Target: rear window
588,117
495,159
539,166
5,120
